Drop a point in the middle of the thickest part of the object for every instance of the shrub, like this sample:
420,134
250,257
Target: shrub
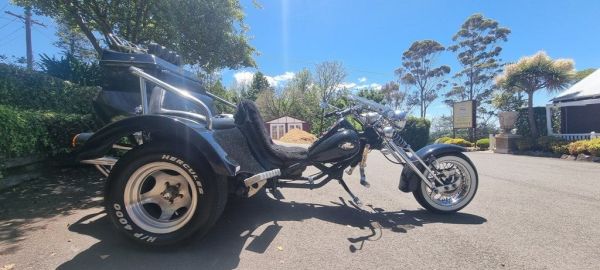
459,141
32,132
70,68
525,144
560,149
588,147
443,139
31,90
416,132
547,143
522,124
594,148
578,147
483,143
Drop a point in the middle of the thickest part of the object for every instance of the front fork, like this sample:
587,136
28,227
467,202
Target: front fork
402,156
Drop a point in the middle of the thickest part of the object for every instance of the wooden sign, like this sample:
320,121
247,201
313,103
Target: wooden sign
463,114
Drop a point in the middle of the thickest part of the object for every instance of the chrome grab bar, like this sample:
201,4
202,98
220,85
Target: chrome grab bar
185,94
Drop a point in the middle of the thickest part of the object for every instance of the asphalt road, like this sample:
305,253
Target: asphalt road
529,213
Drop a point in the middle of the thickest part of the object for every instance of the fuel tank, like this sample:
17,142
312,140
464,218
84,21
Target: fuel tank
336,145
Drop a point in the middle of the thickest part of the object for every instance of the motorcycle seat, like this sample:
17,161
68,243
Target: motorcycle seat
252,125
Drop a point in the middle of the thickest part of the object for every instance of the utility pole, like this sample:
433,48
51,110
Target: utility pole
28,22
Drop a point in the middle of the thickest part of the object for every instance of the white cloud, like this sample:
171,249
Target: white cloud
245,78
350,85
346,85
362,79
281,78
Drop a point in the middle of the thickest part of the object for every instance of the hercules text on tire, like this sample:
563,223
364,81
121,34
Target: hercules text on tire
160,195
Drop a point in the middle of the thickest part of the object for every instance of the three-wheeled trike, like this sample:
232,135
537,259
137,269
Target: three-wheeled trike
172,162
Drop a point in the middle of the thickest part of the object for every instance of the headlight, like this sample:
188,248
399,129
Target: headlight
398,118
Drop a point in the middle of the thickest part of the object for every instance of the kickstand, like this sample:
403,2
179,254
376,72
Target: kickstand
354,198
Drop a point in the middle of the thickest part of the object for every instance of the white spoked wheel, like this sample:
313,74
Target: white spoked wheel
459,178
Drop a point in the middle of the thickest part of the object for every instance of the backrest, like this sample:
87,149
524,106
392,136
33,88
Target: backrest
252,125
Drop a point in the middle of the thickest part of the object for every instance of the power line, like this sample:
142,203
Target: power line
11,33
2,43
8,23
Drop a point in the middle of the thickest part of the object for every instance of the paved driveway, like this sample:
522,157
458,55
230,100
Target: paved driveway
533,213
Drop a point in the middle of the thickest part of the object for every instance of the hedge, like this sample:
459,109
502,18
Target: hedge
443,139
30,90
25,132
588,147
522,124
459,141
483,143
416,132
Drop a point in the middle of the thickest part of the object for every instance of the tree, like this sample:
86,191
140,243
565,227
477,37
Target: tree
533,73
394,97
507,101
478,51
74,43
259,83
328,78
372,94
419,71
580,75
207,33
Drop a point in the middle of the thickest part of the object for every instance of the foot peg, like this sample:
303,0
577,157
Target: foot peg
256,182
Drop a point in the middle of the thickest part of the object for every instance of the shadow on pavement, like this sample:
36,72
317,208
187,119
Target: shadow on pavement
221,248
58,193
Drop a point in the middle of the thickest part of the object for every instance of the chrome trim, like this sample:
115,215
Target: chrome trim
104,161
256,182
395,151
185,94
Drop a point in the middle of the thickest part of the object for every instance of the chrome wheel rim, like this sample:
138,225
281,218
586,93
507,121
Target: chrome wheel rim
456,175
160,197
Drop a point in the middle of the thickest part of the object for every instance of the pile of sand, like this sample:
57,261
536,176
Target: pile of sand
298,136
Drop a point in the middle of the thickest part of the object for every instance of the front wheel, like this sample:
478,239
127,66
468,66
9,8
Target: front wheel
460,178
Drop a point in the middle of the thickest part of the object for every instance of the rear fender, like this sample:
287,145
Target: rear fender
409,181
179,130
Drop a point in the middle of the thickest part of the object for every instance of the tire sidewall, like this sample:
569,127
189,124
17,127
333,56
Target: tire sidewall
428,203
148,153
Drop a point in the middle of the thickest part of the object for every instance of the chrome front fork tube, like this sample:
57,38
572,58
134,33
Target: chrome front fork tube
402,156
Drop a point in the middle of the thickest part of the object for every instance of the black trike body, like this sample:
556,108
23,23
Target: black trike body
172,160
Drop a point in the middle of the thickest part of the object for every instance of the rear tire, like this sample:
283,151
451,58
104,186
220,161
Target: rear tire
159,194
456,200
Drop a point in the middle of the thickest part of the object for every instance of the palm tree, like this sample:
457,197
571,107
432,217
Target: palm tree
532,73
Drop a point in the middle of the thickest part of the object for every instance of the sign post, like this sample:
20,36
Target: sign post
463,115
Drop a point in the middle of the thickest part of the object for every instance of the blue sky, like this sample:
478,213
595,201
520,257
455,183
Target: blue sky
369,36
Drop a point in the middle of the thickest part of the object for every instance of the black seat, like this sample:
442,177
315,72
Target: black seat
252,125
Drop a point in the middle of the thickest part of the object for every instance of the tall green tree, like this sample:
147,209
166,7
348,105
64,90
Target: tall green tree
534,73
207,33
477,47
419,71
259,83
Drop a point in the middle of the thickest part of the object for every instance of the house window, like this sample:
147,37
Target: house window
277,131
293,126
